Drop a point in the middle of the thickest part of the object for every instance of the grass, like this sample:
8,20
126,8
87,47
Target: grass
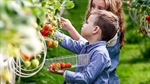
133,69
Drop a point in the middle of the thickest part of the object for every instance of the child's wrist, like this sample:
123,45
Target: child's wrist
71,29
64,74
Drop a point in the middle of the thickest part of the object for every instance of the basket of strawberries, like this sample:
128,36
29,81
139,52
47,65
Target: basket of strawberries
66,62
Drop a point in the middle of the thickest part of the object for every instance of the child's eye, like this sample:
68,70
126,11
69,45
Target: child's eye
93,6
100,8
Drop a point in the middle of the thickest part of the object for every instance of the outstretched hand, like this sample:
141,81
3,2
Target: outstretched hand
60,72
66,24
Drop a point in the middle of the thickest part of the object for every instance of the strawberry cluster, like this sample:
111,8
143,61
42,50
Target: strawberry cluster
29,60
47,30
60,65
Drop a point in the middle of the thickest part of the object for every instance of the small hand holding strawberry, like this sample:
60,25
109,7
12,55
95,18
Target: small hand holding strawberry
59,68
52,70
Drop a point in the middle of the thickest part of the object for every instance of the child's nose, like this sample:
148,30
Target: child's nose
95,9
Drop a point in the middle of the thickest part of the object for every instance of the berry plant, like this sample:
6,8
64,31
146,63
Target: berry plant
25,26
139,11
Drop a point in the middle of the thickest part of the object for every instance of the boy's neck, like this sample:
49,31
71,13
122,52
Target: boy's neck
93,40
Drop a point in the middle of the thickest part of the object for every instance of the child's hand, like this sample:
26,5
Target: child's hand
52,70
66,24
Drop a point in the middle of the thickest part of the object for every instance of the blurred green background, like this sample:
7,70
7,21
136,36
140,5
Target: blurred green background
134,67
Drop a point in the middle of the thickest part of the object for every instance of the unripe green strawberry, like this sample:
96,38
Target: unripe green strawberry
55,43
60,39
35,63
27,64
54,23
7,75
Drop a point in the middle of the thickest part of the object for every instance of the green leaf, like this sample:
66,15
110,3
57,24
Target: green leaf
58,6
69,4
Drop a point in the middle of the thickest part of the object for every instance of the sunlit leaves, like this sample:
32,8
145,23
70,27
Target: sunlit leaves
138,11
69,4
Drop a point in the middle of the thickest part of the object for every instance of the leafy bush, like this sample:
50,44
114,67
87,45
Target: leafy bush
145,49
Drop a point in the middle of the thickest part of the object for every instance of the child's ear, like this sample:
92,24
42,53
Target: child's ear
96,29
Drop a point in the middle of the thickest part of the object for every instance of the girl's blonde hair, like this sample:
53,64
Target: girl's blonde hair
114,6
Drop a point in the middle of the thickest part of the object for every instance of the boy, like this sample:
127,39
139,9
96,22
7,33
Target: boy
100,28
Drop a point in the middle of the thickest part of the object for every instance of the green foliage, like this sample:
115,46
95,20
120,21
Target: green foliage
135,14
132,36
133,69
43,77
77,14
138,10
145,49
134,73
69,5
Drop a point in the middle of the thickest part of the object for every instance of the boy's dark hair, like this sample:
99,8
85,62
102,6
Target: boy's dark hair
116,7
108,22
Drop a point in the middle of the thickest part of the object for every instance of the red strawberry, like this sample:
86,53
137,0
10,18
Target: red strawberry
44,33
46,27
148,18
63,65
68,65
26,57
50,44
56,66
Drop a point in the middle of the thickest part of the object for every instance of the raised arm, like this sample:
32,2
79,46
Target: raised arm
68,43
66,25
